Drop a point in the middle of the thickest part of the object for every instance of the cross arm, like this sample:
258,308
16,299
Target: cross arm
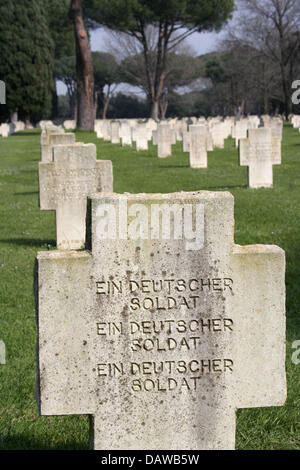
104,176
259,310
62,284
47,199
244,152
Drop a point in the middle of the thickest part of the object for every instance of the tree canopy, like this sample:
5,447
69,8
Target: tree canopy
26,60
106,69
61,27
107,76
173,20
132,15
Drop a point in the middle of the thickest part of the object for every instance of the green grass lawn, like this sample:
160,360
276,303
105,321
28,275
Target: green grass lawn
267,216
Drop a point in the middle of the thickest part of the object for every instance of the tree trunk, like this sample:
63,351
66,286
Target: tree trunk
54,111
266,103
73,105
105,108
243,108
163,106
85,75
96,104
155,110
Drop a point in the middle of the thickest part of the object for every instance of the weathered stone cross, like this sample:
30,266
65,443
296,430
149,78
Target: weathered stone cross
162,137
50,139
198,146
161,338
65,184
260,151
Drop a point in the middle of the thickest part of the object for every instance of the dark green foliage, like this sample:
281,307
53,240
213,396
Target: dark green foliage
61,27
26,60
126,15
215,71
106,69
106,76
189,104
173,21
124,106
64,111
182,69
65,71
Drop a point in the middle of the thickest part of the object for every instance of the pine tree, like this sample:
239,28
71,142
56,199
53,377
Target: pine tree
26,58
173,21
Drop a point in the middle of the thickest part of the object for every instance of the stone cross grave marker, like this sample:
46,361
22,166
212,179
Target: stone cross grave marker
163,139
65,184
125,134
5,130
98,128
106,129
115,132
165,327
198,146
69,124
50,139
179,127
186,137
240,131
276,129
140,135
219,134
186,141
260,151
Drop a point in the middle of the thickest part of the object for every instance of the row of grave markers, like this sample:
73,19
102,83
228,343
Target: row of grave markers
259,147
150,318
6,129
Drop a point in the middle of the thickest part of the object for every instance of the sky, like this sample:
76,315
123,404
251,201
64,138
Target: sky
201,43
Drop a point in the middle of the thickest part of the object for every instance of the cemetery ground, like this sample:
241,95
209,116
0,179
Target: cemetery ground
264,216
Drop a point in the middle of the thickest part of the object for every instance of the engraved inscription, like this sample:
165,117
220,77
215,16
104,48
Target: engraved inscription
176,335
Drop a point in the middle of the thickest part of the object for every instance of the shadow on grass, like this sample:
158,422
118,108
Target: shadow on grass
225,187
292,292
183,166
27,132
21,442
29,193
28,242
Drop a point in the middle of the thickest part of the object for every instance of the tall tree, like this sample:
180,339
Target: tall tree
65,71
61,27
241,81
107,77
26,59
84,68
173,20
181,71
62,33
273,28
